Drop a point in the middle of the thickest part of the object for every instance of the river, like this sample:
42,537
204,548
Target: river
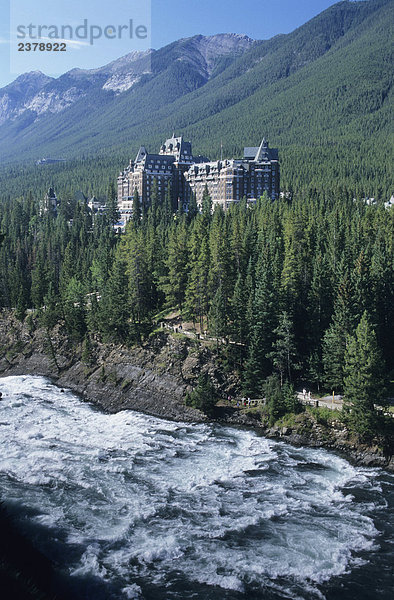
135,507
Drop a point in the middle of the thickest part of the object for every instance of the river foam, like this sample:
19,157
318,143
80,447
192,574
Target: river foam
155,507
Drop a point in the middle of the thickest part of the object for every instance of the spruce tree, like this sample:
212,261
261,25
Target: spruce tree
192,208
363,381
114,307
112,205
218,315
284,349
136,211
334,340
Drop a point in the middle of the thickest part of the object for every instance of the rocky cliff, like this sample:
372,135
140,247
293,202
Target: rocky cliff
154,378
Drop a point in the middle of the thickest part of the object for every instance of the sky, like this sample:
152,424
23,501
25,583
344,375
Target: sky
127,25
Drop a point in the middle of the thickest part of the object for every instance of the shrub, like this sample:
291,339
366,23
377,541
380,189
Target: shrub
203,395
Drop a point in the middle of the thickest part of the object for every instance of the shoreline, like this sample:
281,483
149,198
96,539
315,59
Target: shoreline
148,380
356,455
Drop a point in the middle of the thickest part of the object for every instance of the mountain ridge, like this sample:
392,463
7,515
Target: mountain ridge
47,94
322,93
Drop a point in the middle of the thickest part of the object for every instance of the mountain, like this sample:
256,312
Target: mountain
38,94
18,95
322,94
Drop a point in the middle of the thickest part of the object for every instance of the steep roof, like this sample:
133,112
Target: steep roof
262,152
176,146
141,154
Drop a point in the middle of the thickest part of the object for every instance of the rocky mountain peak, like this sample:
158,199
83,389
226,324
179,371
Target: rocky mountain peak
211,48
33,80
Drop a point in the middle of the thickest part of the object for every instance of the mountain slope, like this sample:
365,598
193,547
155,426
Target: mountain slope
323,94
39,94
20,93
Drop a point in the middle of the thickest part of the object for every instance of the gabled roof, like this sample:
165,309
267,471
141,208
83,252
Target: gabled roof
262,152
176,146
141,154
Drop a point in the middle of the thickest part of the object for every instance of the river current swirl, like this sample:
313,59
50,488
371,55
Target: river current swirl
132,506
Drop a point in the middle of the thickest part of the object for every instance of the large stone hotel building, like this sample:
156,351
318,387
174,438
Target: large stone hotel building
228,181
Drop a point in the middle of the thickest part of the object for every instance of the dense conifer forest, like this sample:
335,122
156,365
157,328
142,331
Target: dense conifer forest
300,289
289,294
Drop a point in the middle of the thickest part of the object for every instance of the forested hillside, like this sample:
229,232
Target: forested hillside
300,290
322,94
296,289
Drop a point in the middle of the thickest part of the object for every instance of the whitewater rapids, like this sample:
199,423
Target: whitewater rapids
132,506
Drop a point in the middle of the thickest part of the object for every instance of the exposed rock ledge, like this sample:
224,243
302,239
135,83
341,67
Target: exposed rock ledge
154,379
116,378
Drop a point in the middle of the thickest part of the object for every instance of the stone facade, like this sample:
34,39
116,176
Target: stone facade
228,181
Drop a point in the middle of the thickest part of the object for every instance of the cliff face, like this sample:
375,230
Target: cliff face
154,379
150,379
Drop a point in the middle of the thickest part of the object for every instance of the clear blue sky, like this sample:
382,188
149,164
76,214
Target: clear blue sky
169,21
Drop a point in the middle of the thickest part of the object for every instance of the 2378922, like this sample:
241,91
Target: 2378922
42,47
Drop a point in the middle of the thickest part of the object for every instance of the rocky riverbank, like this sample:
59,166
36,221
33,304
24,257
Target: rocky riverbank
154,379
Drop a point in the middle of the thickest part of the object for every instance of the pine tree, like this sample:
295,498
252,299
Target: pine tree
218,315
114,307
87,351
192,208
21,305
52,311
167,206
38,284
335,337
112,205
284,350
221,268
361,286
68,268
273,393
74,309
206,206
203,396
382,276
174,284
140,284
363,381
262,326
154,208
239,301
136,211
197,294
